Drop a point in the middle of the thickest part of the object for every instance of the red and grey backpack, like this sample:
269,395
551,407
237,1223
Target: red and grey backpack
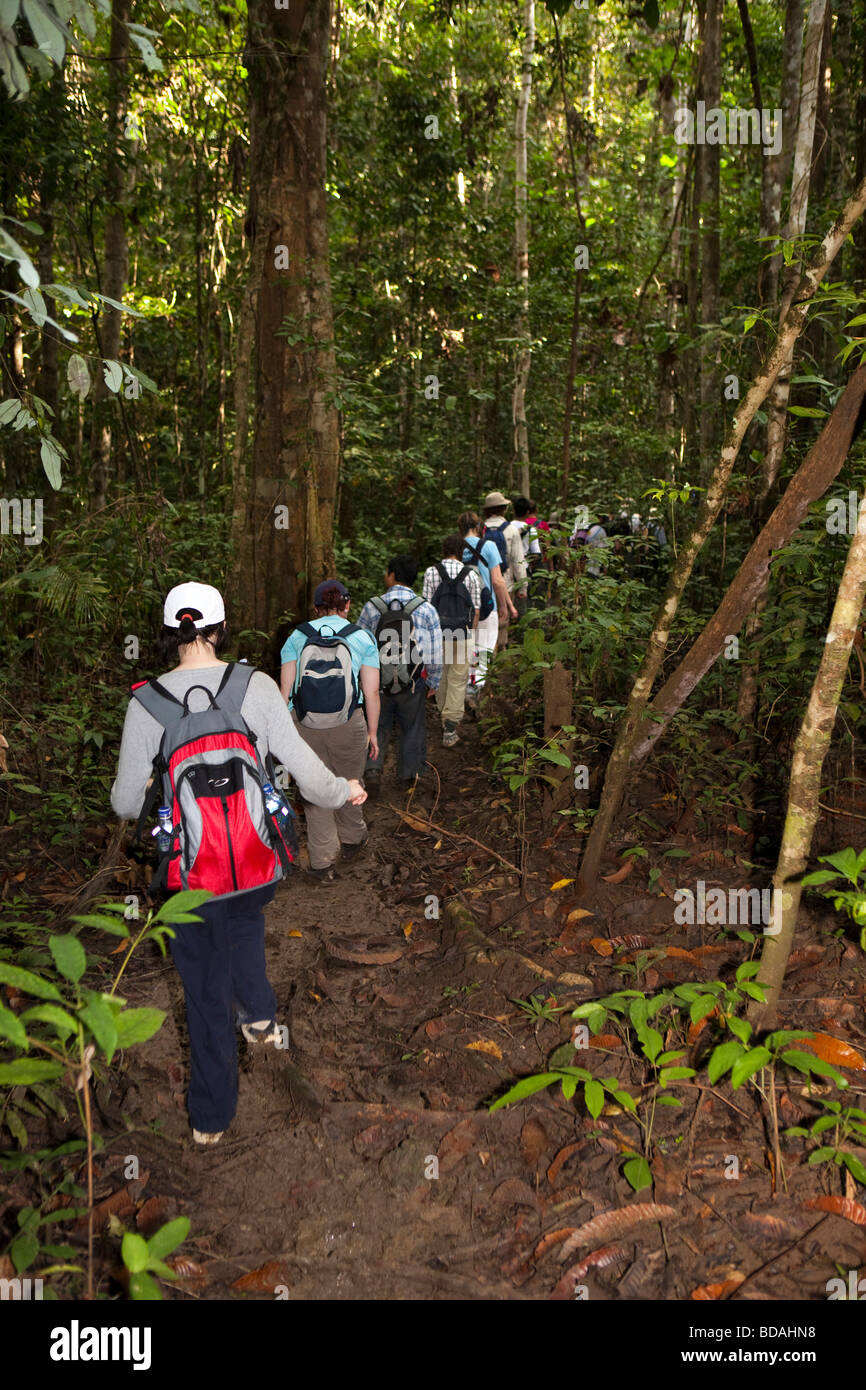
209,772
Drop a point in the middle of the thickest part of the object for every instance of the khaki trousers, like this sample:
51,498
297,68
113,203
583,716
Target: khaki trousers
452,691
344,751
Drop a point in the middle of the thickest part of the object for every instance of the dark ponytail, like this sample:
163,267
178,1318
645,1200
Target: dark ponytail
171,639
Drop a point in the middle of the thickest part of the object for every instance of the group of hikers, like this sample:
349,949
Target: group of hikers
199,741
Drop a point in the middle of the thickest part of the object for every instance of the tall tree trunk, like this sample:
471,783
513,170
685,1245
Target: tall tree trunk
776,167
285,504
820,466
116,253
521,248
810,750
777,421
571,372
707,194
630,728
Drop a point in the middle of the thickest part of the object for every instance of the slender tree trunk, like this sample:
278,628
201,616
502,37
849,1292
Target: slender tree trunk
777,421
116,253
630,729
521,247
810,751
776,167
707,193
820,466
285,504
571,372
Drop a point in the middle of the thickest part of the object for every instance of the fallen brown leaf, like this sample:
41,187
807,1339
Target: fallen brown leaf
712,1291
607,1255
617,1223
840,1206
620,874
262,1280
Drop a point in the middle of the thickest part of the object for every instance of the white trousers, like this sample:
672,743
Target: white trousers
486,634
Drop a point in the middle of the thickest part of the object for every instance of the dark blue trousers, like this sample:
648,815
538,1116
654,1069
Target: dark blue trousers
407,711
221,962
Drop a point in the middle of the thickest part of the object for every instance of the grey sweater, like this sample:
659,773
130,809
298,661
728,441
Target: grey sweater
264,710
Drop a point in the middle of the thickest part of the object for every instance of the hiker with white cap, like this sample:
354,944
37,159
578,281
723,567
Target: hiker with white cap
200,739
330,678
509,541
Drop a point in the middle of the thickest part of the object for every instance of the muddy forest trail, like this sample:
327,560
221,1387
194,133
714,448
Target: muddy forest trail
407,1027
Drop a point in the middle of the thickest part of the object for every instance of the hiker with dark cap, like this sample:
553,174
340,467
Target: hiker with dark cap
330,678
409,640
200,739
508,541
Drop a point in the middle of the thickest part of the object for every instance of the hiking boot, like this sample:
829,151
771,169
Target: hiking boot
263,1033
326,875
449,735
200,1137
349,851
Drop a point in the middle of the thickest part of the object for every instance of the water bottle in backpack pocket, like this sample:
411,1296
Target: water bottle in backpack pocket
400,659
326,692
209,777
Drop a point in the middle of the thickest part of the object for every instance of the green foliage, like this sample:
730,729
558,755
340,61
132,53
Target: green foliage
847,1124
144,1258
851,866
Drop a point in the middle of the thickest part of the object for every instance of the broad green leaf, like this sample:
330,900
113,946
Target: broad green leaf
526,1087
148,52
746,1066
69,956
143,1289
137,1025
23,1250
552,756
108,924
133,1250
674,1074
38,310
175,908
48,35
53,1014
821,1155
30,983
569,1086
593,1094
101,1022
27,1070
740,1028
51,463
113,375
637,1173
12,1028
78,375
168,1237
722,1059
701,1007
855,1167
747,970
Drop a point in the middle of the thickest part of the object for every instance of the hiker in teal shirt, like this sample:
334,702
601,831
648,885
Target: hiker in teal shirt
335,834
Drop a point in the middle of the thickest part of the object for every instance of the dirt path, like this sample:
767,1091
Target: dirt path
407,1028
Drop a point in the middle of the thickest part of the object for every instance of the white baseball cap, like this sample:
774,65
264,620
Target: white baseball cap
201,602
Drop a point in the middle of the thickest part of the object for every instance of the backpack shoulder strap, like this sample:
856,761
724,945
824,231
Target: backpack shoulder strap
233,686
412,604
307,629
379,604
464,573
158,702
349,630
442,572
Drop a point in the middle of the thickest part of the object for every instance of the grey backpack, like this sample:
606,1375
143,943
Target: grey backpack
400,660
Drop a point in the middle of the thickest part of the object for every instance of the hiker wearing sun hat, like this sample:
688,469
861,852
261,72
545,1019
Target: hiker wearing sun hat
506,535
220,837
